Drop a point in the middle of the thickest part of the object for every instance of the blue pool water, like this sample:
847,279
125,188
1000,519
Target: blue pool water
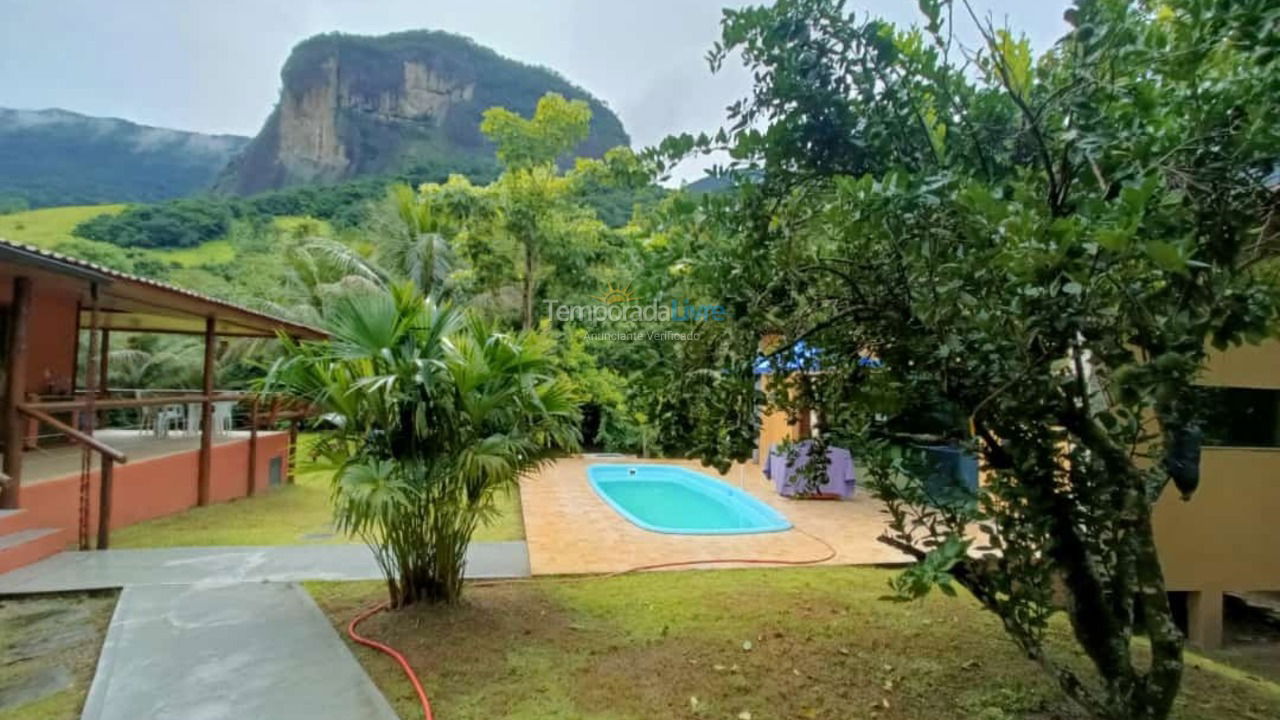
671,499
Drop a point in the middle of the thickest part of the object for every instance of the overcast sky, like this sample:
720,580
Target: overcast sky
214,65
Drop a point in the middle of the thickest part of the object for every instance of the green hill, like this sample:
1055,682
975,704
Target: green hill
47,227
51,229
55,157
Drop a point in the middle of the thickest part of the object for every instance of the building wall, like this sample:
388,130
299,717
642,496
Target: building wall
773,429
157,486
1251,366
1227,536
51,364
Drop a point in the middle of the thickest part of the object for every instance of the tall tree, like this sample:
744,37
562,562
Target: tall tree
532,196
557,126
1041,247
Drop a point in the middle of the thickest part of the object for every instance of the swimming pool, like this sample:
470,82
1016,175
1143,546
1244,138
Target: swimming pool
672,499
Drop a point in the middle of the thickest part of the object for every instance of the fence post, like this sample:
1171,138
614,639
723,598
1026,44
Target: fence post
293,447
105,481
253,448
206,413
15,390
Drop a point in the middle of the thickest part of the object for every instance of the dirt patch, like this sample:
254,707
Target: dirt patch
444,645
49,646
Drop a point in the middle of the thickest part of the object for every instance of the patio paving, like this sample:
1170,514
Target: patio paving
211,566
260,650
570,530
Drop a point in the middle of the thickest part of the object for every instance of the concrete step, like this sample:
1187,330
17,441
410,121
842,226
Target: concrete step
12,521
27,546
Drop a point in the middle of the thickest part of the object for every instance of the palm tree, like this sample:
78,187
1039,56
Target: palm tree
419,252
432,412
408,244
320,269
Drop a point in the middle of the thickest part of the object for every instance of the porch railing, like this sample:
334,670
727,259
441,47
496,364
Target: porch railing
40,409
110,456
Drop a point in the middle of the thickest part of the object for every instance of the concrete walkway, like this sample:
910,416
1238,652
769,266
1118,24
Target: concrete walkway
225,565
261,651
223,633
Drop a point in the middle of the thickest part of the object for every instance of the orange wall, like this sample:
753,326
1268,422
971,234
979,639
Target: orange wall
1251,366
1226,537
157,486
51,338
773,428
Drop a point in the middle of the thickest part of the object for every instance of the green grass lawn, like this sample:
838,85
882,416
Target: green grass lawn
289,515
777,643
297,514
47,227
210,253
50,636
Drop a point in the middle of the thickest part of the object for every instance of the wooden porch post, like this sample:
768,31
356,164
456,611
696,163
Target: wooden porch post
85,420
253,447
293,447
105,349
106,478
1204,618
206,414
15,389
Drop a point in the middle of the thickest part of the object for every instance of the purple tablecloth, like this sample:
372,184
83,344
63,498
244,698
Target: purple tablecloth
840,476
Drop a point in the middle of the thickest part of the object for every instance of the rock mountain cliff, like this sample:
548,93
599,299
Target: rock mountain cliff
356,105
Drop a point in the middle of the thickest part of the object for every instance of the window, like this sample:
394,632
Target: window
1241,417
273,471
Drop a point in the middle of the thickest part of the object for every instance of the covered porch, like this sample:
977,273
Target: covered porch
79,457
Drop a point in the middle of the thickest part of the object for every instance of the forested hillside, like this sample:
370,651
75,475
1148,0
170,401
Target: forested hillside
56,157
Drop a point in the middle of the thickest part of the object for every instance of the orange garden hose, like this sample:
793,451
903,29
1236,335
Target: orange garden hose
413,677
395,654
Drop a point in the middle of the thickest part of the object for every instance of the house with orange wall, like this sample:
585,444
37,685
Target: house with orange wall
67,479
1226,538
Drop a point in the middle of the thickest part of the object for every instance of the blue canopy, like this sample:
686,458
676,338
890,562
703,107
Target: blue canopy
803,358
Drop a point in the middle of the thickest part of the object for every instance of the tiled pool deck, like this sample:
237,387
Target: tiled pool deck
570,530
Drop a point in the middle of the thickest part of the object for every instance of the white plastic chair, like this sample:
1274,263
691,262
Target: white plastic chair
146,417
193,418
222,417
167,417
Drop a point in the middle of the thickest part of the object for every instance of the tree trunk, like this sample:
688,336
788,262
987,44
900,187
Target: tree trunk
1103,608
431,565
1138,583
1162,681
429,272
526,295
